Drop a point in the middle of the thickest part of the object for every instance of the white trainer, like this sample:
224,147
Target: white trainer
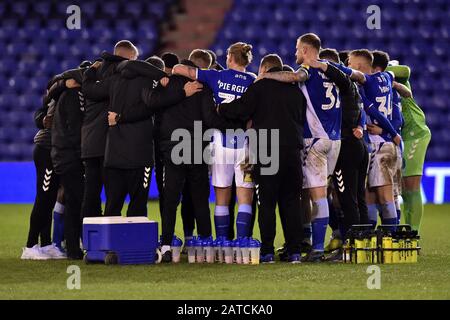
53,252
34,253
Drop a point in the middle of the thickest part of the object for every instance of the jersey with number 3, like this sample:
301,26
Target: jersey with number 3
323,113
378,90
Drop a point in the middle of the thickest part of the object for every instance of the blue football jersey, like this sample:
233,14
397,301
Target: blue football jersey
397,117
323,113
227,85
378,90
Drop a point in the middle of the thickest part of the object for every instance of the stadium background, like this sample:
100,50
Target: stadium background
38,45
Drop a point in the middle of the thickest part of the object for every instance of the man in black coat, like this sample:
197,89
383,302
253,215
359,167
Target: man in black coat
66,158
47,184
95,128
280,109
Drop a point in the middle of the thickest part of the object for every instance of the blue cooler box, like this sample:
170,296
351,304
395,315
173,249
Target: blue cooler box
122,240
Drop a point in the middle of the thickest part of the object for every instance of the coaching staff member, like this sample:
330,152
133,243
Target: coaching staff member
275,105
129,146
95,128
66,158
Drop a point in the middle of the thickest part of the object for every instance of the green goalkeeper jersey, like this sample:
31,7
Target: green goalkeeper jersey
415,126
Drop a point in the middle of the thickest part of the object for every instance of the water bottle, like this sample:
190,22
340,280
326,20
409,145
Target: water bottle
244,245
176,249
208,250
191,250
227,249
237,257
199,254
255,248
218,250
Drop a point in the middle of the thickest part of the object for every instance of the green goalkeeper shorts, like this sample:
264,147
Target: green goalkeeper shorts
414,155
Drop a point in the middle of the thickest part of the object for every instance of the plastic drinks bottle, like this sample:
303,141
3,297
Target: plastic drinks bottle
373,246
387,244
359,245
244,245
414,243
227,249
176,249
218,250
255,248
191,250
208,250
237,257
199,254
396,253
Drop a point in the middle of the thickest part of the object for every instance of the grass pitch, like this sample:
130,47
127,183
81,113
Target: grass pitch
428,279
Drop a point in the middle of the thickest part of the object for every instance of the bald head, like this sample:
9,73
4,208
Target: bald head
126,49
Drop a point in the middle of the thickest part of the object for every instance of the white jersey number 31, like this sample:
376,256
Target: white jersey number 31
334,100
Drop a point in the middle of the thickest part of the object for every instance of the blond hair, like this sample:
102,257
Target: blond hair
241,52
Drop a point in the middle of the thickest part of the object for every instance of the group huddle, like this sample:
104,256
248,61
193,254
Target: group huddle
334,128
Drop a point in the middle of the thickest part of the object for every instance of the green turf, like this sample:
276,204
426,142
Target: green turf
428,279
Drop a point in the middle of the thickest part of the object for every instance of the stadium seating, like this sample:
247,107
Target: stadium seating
416,33
38,45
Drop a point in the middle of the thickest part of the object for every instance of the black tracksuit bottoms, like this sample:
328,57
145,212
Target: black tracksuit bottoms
187,209
93,184
284,189
122,182
47,184
72,181
195,176
350,181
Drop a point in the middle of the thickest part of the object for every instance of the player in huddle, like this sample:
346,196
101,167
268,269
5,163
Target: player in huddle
229,151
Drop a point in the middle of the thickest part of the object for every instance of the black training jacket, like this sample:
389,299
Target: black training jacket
128,145
271,104
55,87
175,111
66,130
350,100
95,121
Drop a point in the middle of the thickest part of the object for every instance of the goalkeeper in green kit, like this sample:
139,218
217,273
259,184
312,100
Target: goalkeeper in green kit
416,136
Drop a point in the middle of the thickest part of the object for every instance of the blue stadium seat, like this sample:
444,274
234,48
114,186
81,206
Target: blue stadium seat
110,8
156,9
7,101
42,8
133,8
16,48
25,135
31,23
19,8
17,83
28,102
